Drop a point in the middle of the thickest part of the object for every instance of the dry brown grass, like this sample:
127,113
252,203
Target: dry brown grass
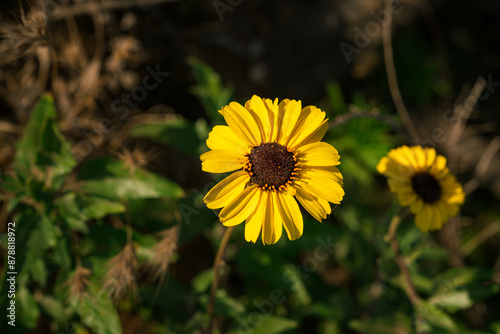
158,266
121,278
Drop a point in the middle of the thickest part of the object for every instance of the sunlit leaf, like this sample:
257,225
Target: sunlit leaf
209,89
176,132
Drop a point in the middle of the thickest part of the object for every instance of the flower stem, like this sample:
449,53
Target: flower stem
213,289
391,237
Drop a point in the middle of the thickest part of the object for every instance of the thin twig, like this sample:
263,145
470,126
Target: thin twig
391,75
409,287
486,233
482,165
463,112
213,289
344,118
451,232
91,7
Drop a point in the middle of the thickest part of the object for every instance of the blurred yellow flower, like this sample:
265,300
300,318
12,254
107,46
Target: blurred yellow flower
278,156
421,180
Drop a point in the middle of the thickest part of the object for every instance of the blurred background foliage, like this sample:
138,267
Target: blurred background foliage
105,109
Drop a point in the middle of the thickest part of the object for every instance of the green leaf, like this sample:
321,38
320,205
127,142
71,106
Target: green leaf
48,231
26,308
61,254
436,317
39,272
76,209
44,146
388,324
269,324
96,311
201,283
116,189
113,180
460,277
28,147
225,305
336,98
54,308
175,131
209,89
457,299
297,284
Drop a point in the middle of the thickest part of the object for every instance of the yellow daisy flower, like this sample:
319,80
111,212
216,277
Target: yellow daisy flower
421,180
278,156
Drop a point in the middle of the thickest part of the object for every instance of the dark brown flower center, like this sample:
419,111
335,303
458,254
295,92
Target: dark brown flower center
427,187
271,166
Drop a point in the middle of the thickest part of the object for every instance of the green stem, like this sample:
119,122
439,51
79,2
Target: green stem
213,289
391,237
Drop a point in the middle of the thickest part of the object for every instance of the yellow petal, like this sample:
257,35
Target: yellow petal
443,215
291,215
222,161
436,221
223,138
318,154
453,209
261,115
394,169
419,158
430,156
316,136
268,219
399,155
400,185
324,184
242,123
407,153
226,190
289,112
253,224
277,220
417,205
330,172
309,121
241,207
452,190
439,169
274,118
407,197
312,204
424,218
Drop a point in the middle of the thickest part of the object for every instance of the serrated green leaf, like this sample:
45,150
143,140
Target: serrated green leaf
457,299
28,147
436,317
44,146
